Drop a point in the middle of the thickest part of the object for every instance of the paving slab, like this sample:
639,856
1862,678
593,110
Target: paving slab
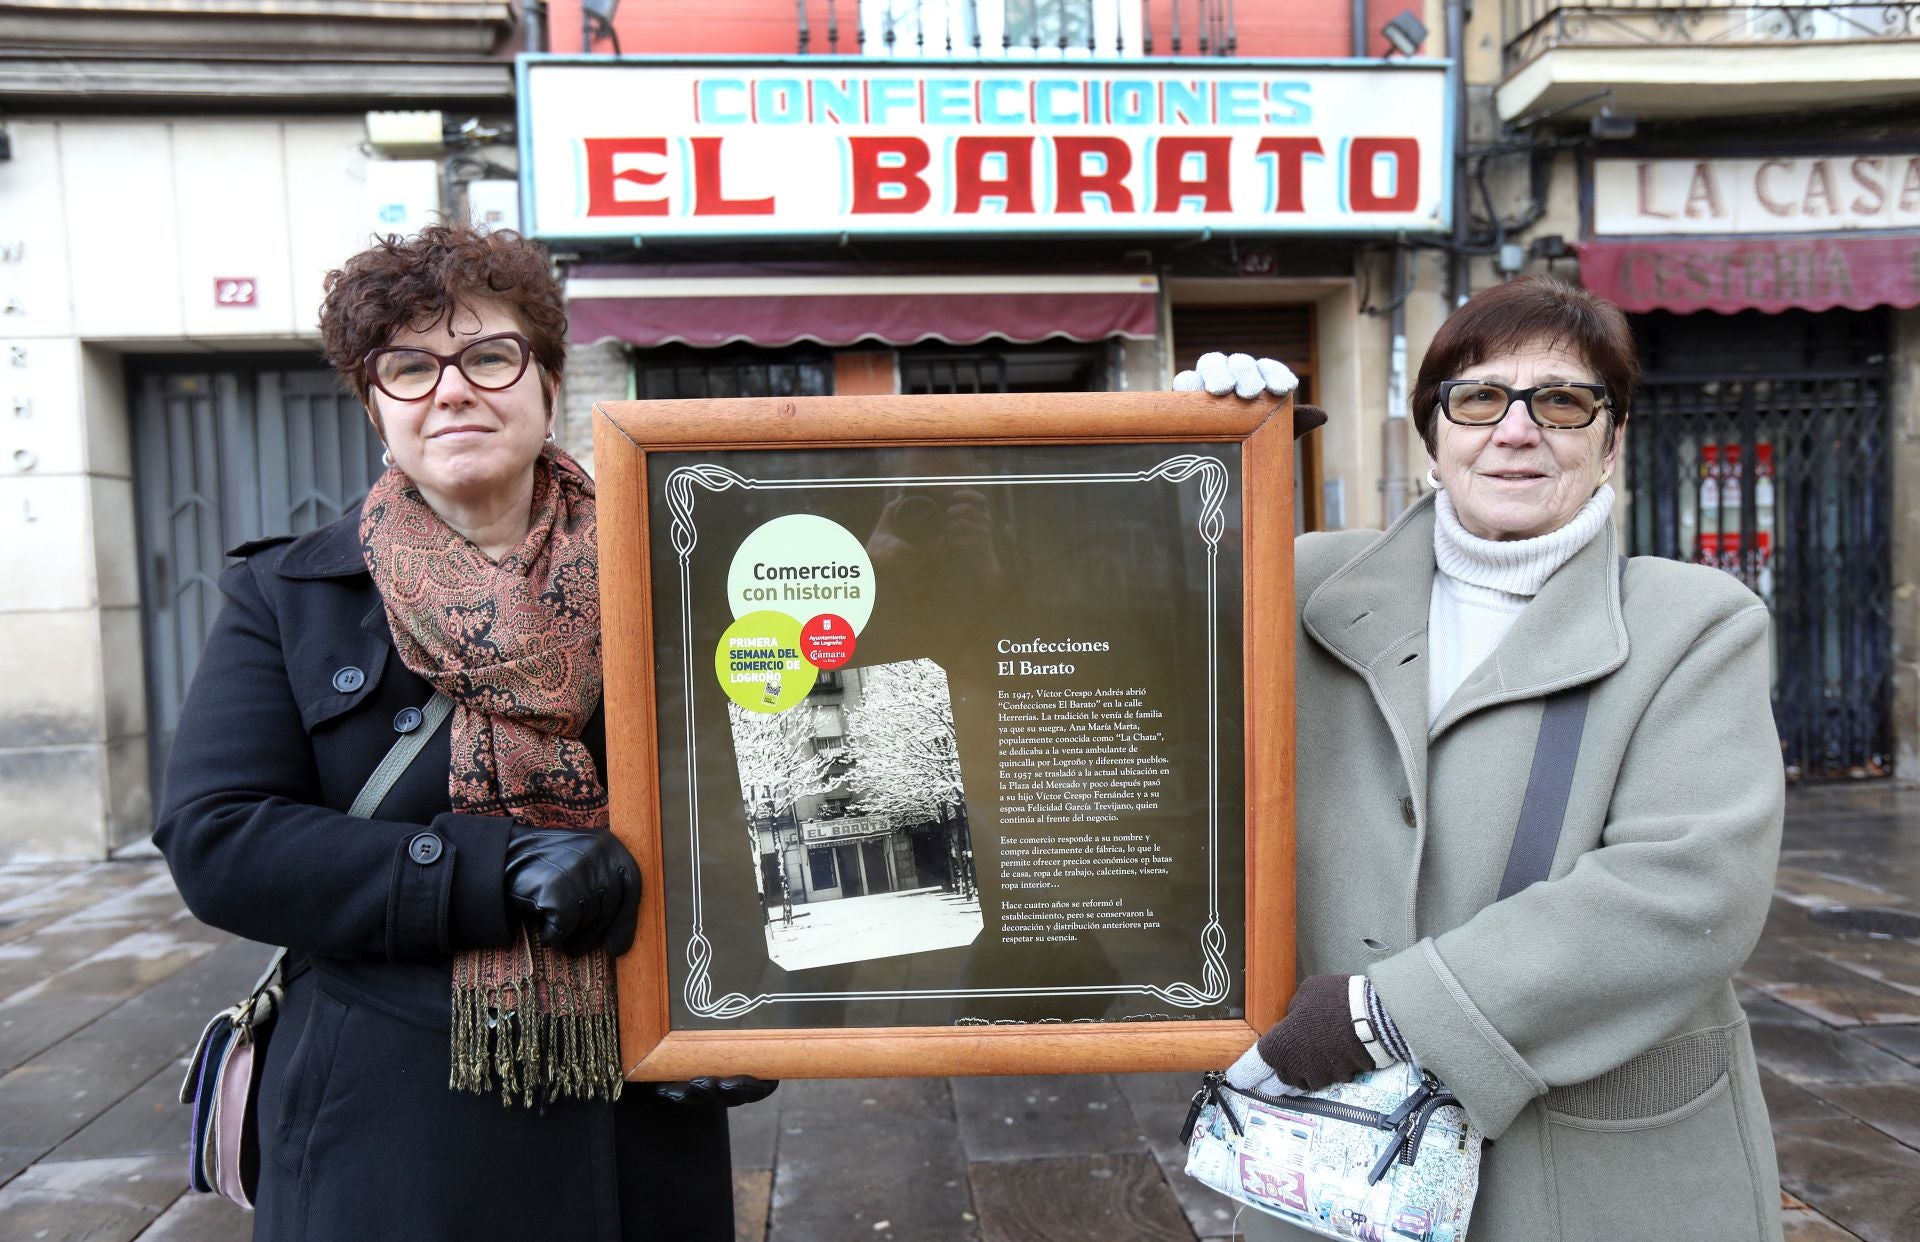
150,1122
847,1099
752,1196
1893,1108
200,1218
1806,1225
1805,1050
889,1178
1020,1118
1159,1103
1787,1102
1895,963
1077,1199
752,1130
1901,1041
1859,1178
90,1200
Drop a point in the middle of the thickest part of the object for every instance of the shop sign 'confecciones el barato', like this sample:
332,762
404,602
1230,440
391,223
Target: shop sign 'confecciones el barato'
626,148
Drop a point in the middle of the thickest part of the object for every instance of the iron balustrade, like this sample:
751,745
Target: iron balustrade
1030,29
1536,26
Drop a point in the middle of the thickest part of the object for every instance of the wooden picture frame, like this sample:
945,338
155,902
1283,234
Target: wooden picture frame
630,439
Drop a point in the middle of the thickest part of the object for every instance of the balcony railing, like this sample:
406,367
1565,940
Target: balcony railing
1536,26
1016,29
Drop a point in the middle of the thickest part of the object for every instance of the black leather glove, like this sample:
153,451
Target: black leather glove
575,890
732,1091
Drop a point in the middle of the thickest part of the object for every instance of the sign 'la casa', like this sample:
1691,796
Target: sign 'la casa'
625,149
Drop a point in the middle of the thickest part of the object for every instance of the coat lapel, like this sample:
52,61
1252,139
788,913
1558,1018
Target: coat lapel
1571,633
1371,615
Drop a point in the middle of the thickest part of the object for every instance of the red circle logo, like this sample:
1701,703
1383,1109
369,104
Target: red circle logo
827,641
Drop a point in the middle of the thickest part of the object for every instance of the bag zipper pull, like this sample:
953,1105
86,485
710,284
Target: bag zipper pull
1208,1092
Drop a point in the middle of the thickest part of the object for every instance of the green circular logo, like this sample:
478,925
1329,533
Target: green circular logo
759,664
802,565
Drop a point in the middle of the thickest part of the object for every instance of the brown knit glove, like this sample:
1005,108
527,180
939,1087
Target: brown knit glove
1314,1045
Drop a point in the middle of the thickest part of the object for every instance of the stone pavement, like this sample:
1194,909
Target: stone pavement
104,981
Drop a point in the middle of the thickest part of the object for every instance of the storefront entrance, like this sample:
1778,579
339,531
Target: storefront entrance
1759,446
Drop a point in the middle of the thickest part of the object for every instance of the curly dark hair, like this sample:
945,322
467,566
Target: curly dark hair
414,282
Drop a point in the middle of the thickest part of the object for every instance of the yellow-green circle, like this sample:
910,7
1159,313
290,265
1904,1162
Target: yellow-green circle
749,646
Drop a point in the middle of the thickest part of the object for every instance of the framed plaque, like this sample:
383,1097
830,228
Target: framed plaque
952,734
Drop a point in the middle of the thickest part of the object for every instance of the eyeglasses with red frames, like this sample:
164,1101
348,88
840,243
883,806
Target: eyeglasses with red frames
408,373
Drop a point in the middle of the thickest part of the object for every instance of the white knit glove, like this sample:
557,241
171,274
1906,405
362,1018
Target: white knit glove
1252,1073
1240,374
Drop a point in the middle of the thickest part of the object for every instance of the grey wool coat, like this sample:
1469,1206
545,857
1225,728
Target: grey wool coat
1588,1023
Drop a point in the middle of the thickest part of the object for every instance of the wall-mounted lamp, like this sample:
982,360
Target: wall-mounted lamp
596,19
1405,33
1607,124
6,146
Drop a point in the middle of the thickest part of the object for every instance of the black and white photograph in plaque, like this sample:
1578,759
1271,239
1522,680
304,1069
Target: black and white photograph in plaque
857,818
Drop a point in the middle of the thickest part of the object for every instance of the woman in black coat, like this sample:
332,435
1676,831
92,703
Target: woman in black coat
445,1064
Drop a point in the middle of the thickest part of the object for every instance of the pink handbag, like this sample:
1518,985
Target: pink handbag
223,1156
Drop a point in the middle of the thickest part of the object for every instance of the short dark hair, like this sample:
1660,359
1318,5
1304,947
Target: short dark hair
414,282
1532,308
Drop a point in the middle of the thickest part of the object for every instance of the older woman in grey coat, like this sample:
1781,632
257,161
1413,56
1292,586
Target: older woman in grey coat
1588,1022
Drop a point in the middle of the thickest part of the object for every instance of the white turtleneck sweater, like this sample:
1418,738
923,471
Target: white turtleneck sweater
1480,587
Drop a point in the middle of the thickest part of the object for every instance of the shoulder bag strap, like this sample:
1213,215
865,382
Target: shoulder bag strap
402,753
409,745
1544,808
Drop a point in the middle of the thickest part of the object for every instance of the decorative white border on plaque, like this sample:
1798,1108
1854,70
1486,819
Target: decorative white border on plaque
1213,475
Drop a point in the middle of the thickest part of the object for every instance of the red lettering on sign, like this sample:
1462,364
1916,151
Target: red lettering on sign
601,177
1288,155
1405,195
1213,186
971,183
871,177
1072,182
709,199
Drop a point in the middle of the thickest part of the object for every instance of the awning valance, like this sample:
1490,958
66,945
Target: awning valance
1760,273
661,306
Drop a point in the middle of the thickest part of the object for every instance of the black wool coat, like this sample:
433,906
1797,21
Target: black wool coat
298,696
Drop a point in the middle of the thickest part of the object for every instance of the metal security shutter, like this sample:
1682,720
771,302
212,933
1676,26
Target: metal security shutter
1759,444
223,456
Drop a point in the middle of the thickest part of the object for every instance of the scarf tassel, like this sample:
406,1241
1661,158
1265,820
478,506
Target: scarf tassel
532,1055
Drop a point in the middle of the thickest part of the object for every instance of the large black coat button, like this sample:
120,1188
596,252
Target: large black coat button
406,720
349,679
425,849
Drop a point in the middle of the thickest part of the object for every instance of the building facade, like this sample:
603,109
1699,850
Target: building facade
175,182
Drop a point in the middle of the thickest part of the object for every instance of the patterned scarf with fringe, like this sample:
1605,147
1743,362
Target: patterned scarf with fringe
516,645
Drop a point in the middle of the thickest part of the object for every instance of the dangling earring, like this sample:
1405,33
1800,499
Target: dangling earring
1433,479
386,458
550,437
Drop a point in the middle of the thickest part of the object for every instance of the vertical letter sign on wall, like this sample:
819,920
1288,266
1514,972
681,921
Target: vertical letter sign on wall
939,748
619,149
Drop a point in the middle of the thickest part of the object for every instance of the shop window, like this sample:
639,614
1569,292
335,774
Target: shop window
1012,368
821,863
683,373
1001,29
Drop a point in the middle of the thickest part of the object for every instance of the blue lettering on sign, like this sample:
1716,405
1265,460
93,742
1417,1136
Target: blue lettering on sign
836,101
885,96
1132,103
779,101
1286,103
1046,111
1183,101
949,102
713,106
1237,103
992,111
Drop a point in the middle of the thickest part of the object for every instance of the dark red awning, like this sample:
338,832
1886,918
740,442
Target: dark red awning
1761,273
659,306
